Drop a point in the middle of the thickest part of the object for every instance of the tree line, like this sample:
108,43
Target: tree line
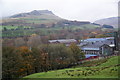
21,61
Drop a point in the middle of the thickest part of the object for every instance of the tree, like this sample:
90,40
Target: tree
26,59
100,36
41,62
19,42
10,63
5,29
107,26
34,40
43,25
59,56
77,53
21,27
53,25
37,59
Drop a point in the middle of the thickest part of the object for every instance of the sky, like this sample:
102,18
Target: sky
81,10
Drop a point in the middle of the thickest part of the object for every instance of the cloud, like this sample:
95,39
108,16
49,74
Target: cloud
68,9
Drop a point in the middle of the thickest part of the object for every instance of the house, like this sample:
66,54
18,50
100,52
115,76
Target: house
98,46
106,50
67,42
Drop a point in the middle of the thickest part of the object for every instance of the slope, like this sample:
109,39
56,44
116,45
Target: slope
33,17
108,69
113,21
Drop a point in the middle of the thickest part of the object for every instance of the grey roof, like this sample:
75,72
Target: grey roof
95,45
63,41
98,39
85,48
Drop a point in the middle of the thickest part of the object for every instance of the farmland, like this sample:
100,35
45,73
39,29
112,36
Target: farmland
40,20
14,27
16,31
106,69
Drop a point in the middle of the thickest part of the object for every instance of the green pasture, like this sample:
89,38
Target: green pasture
13,27
108,69
39,21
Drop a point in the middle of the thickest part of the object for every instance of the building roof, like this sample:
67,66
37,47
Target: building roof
96,43
94,39
98,39
87,48
63,41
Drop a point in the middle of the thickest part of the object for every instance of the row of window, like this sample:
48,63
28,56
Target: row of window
91,52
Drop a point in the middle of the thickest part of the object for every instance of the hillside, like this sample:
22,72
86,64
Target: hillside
32,18
37,17
113,21
27,30
38,14
105,69
33,13
39,22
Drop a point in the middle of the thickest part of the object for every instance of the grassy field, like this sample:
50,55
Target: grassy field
41,19
106,69
13,27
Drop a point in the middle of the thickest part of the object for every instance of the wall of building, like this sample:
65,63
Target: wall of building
106,50
91,51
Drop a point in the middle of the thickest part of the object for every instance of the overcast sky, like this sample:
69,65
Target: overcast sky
86,10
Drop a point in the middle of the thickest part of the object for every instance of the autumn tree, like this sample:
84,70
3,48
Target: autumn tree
100,36
26,58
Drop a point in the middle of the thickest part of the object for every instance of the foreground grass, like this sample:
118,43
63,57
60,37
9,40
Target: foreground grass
108,69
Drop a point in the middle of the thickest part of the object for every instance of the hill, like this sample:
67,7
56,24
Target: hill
39,14
33,13
106,69
113,21
35,17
